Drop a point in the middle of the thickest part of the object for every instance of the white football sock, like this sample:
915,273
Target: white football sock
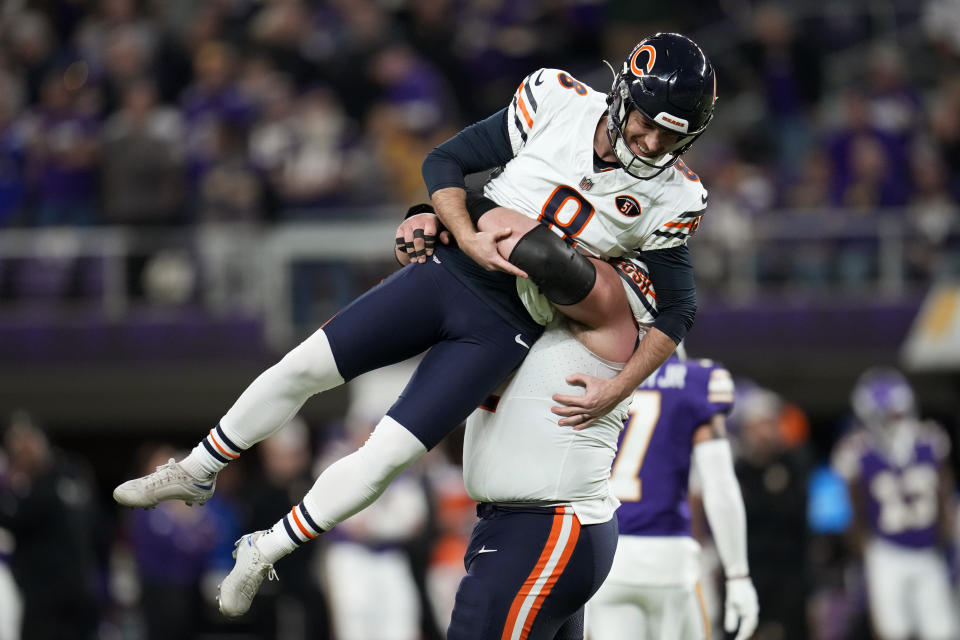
345,487
267,405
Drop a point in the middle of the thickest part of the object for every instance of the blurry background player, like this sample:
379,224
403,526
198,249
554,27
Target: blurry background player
676,420
904,517
773,474
367,570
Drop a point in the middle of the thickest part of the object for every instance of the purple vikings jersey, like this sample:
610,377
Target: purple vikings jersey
901,497
652,468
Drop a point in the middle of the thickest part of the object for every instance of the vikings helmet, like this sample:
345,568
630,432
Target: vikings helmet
668,79
881,397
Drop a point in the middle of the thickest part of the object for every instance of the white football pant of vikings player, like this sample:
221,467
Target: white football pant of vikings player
909,592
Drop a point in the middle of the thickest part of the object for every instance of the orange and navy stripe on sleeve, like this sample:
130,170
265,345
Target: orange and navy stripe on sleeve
523,108
682,227
220,446
300,525
564,534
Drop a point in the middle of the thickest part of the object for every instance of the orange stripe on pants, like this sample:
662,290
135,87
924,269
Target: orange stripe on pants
513,618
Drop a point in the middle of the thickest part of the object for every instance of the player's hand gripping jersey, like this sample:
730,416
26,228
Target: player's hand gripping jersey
606,211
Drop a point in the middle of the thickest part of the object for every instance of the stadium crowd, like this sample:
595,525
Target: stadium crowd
127,112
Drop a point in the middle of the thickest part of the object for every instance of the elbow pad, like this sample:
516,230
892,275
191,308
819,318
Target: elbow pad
564,276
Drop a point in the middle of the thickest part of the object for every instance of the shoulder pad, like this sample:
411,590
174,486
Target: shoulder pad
541,93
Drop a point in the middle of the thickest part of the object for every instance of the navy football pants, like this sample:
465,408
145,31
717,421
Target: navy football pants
529,574
420,307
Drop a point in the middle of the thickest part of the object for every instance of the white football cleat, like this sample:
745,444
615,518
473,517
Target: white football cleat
238,589
168,482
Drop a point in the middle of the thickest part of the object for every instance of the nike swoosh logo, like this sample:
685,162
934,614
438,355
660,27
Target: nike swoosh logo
484,549
436,259
205,487
703,199
520,342
538,81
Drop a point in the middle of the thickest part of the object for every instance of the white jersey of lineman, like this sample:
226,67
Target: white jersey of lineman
609,213
515,452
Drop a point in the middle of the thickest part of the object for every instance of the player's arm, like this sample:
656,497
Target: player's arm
723,505
845,461
671,272
481,146
857,533
948,507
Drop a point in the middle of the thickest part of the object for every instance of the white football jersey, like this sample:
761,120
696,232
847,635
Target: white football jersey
609,213
514,450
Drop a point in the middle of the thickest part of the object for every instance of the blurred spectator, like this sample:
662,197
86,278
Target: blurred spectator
428,25
172,546
142,169
306,148
295,607
48,505
945,129
934,215
865,163
229,189
63,152
32,50
111,21
348,34
896,108
213,106
811,189
12,161
118,46
940,20
412,116
412,86
773,480
283,32
787,69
